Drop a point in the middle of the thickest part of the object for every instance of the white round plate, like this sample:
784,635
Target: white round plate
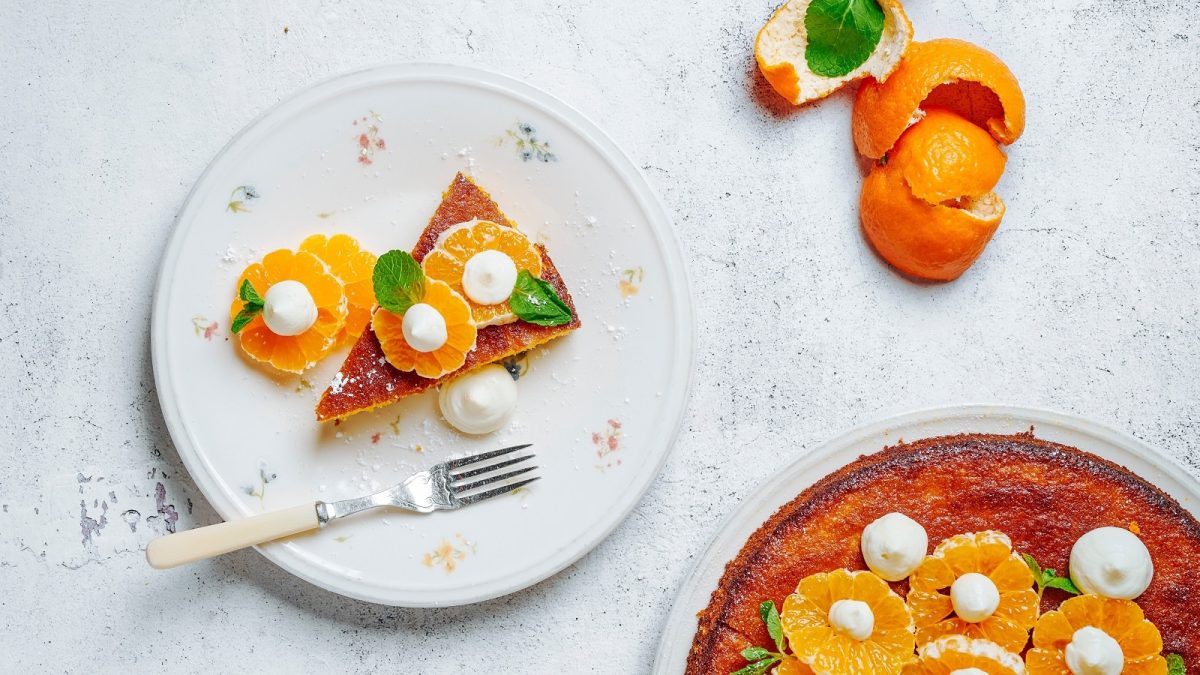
693,597
369,154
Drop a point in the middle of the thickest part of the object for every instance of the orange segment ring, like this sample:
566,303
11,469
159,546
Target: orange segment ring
882,111
293,354
460,334
354,266
459,244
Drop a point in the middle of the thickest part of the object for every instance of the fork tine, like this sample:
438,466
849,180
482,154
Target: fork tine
495,492
471,459
490,467
459,489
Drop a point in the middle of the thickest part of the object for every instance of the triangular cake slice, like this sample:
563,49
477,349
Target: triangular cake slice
366,380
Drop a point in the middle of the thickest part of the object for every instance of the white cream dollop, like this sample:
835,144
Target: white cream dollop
968,671
1091,651
288,308
1112,562
479,402
488,277
852,617
974,597
894,545
424,328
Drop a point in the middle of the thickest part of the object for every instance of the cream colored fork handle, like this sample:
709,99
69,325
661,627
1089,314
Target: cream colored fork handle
206,542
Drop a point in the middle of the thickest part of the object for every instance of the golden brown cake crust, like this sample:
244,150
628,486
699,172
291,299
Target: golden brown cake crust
1043,495
366,380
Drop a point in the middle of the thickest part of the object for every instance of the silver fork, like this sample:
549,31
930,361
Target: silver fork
441,487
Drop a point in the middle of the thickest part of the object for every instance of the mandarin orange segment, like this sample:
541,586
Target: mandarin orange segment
952,653
989,553
792,666
460,334
460,243
293,353
949,73
929,210
353,266
820,644
1123,620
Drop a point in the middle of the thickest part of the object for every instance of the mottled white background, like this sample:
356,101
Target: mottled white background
1086,301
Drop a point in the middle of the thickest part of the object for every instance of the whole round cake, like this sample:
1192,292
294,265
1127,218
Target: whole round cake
1015,505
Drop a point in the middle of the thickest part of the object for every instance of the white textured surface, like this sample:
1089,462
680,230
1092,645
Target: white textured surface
1085,301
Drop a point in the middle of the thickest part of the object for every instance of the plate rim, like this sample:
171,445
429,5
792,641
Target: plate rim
680,626
678,282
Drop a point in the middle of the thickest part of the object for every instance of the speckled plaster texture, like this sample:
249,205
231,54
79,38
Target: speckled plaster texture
1086,300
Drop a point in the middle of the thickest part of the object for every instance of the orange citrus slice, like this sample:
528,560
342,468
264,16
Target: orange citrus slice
790,665
1121,620
829,645
353,266
293,353
460,243
945,73
783,41
930,211
953,653
988,554
460,334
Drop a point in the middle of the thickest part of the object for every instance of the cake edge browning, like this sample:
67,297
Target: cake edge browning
712,624
366,380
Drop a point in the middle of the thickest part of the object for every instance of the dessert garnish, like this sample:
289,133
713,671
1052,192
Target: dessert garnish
480,401
810,48
1048,578
761,658
481,260
974,585
1111,562
289,311
535,301
354,267
422,324
1093,635
844,622
961,655
894,545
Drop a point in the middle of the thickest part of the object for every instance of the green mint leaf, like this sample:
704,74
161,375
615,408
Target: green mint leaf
1033,566
399,281
244,317
841,34
755,653
1175,665
1062,584
770,616
536,302
248,294
757,668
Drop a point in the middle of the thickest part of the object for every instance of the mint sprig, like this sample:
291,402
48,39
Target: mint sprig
1048,578
535,301
399,281
1175,665
842,34
761,659
252,306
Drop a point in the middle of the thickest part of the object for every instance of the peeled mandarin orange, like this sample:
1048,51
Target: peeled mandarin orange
353,266
930,211
460,334
990,554
294,353
462,242
828,649
952,653
782,43
947,73
1123,620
